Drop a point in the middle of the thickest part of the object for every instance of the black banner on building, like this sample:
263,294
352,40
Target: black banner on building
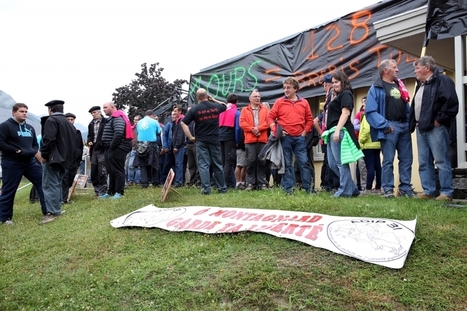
446,19
348,43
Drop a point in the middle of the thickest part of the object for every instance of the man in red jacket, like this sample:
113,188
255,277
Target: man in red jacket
293,113
253,121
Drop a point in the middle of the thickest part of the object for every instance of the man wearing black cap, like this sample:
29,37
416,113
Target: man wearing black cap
97,151
70,173
57,150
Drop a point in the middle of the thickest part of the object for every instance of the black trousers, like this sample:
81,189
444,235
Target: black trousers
115,164
98,172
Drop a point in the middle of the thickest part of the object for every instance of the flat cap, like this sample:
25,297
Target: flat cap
70,115
54,102
94,108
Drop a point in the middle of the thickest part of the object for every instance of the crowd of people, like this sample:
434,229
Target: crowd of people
217,145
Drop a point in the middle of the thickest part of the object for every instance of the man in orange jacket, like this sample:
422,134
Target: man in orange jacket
253,121
293,113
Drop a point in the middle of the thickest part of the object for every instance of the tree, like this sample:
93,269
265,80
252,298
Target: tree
148,91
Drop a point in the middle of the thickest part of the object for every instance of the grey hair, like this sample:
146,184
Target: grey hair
385,64
426,61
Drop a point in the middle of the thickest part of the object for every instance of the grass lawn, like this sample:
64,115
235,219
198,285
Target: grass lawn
80,262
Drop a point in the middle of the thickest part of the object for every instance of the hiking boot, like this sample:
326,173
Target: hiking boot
47,218
423,196
388,194
443,197
241,186
8,223
402,193
223,190
249,187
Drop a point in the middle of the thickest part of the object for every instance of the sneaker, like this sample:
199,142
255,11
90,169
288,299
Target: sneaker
8,223
241,186
443,197
104,196
205,192
388,194
402,193
264,187
249,187
423,196
117,196
376,191
48,218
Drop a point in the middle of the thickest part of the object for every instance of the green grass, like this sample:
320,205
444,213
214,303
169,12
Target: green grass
80,262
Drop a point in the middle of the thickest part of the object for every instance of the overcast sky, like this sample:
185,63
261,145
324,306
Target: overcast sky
81,51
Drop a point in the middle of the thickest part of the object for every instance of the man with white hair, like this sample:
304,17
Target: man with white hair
434,108
97,151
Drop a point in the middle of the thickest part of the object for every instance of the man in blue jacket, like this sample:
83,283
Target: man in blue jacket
387,112
434,108
169,159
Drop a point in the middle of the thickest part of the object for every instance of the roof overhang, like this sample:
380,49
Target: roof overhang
406,32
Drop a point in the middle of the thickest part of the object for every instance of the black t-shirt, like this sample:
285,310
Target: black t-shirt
206,117
344,99
395,106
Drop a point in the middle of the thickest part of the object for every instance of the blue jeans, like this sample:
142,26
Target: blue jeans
133,173
295,145
210,155
179,171
434,146
401,141
52,186
12,172
347,187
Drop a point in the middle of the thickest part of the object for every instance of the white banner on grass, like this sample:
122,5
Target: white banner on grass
384,242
